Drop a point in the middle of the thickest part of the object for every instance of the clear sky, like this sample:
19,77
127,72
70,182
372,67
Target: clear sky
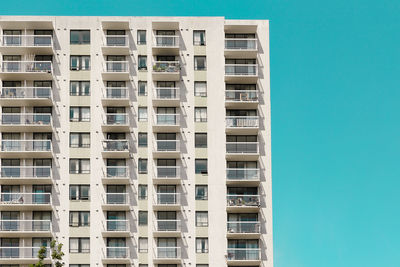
335,88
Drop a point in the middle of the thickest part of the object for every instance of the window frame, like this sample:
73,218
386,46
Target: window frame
81,39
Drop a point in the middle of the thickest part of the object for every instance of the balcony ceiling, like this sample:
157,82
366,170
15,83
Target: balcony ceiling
26,24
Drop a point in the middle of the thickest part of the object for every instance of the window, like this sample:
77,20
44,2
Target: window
79,114
141,37
199,37
79,88
79,192
79,140
201,166
142,139
142,217
201,192
201,245
79,63
142,62
78,265
200,89
143,245
200,63
79,218
79,245
142,194
79,166
200,114
201,218
143,265
142,113
79,37
201,265
142,88
200,140
142,166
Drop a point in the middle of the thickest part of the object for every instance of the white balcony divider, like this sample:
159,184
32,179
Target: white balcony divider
27,40
167,225
116,119
168,253
241,69
22,252
166,66
243,200
116,66
117,252
241,96
117,225
167,199
167,145
117,171
243,227
167,93
26,119
116,40
25,198
245,174
26,92
27,66
115,145
166,41
168,172
167,119
25,225
243,254
240,44
26,145
36,172
242,147
116,198
116,93
242,121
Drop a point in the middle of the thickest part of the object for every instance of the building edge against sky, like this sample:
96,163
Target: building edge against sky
136,140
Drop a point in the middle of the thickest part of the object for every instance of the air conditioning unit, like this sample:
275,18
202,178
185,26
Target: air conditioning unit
244,97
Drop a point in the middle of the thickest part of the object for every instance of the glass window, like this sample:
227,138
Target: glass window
142,62
80,37
201,265
142,88
142,191
200,63
201,192
142,139
79,192
201,245
143,245
199,37
79,140
200,140
142,217
79,62
200,89
201,218
79,218
142,166
201,166
142,114
79,114
79,88
79,166
141,37
200,114
79,245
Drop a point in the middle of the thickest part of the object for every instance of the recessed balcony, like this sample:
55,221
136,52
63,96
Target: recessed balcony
115,149
19,44
241,98
243,203
26,70
115,255
25,201
167,201
25,228
22,255
167,175
116,122
166,122
241,47
26,175
166,71
112,201
116,70
243,229
166,45
116,175
166,96
167,228
115,45
166,149
242,150
116,97
242,124
26,149
241,72
243,256
167,255
243,176
116,228
26,122
22,96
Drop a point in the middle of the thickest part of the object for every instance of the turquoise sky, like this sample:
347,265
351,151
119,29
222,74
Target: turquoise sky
335,86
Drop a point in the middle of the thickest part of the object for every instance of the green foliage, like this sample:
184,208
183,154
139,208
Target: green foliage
56,254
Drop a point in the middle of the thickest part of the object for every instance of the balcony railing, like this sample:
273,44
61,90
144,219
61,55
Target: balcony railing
168,252
36,172
116,40
27,66
166,41
25,225
243,200
241,96
116,92
167,199
166,66
27,40
167,119
26,92
167,145
115,145
242,147
242,121
240,69
243,227
26,119
117,198
117,252
117,66
168,172
22,252
240,44
167,93
25,145
244,174
168,225
243,254
117,171
116,118
25,198
117,225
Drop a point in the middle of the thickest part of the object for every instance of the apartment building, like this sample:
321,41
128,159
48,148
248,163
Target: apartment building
135,141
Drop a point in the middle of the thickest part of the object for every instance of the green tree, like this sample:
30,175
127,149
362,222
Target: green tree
56,254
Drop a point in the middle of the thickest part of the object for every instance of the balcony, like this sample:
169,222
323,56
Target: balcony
26,175
242,150
243,202
239,98
167,175
241,47
113,201
26,96
22,255
116,228
243,176
166,71
116,175
166,96
19,44
166,149
167,255
166,123
115,45
242,124
167,201
26,70
116,97
115,149
25,228
26,122
26,149
116,70
25,201
241,72
166,45
116,122
243,256
115,255
167,228
243,229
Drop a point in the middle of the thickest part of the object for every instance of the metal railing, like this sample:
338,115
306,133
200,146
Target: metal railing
117,171
27,40
167,145
168,225
167,199
242,121
241,95
26,145
116,92
22,252
117,252
242,147
166,41
244,227
116,198
37,172
26,92
25,198
245,174
26,119
166,93
241,69
115,145
25,225
117,225
117,66
168,253
167,119
243,200
116,118
166,66
27,66
243,254
240,44
168,172
116,40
